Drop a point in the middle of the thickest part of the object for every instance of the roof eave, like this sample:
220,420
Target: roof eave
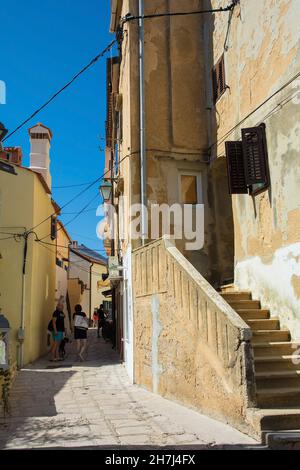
116,7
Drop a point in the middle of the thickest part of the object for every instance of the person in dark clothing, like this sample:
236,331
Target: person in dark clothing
101,318
58,322
80,330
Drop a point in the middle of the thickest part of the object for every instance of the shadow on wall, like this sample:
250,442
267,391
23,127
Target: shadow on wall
221,251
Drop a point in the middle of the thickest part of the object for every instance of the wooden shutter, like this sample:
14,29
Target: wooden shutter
235,168
222,82
215,83
53,227
218,77
255,154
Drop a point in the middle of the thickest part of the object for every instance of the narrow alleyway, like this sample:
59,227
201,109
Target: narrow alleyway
92,404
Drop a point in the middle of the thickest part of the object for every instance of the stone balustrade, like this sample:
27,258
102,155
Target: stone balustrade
190,345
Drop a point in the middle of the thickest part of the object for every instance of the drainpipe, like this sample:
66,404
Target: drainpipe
144,220
21,331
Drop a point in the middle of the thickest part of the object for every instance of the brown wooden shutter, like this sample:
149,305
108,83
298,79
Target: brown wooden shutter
215,83
235,167
218,77
255,154
222,83
53,227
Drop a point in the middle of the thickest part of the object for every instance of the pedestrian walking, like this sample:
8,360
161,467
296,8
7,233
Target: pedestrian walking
80,331
95,318
58,329
101,319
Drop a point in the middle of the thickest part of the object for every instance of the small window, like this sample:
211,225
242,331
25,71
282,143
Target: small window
218,77
190,188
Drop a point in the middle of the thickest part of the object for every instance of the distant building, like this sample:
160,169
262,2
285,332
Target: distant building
12,155
85,271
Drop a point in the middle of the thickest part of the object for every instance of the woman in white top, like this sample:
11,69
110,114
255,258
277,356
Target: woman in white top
80,330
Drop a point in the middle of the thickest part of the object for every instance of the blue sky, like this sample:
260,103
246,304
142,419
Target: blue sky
43,45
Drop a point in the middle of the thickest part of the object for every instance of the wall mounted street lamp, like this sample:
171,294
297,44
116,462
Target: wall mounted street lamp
3,131
106,190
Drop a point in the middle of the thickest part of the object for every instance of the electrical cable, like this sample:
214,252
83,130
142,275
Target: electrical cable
72,213
83,191
92,62
227,134
130,17
71,185
73,218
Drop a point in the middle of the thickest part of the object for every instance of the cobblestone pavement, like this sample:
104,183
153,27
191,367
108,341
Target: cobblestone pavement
93,404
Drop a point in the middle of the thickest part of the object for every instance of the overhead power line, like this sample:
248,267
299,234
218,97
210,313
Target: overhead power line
86,67
66,247
71,185
130,17
236,126
75,216
84,190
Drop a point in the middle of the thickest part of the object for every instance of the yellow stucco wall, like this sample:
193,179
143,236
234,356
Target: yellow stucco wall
25,203
176,127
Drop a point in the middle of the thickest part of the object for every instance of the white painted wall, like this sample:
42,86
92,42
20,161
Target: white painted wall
271,283
40,153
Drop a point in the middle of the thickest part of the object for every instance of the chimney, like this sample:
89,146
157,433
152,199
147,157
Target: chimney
40,138
12,155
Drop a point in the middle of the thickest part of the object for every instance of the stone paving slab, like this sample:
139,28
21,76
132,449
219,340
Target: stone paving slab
92,404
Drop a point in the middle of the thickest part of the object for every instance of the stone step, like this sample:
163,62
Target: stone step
253,314
233,296
278,379
228,288
282,440
270,397
262,336
277,363
244,304
274,348
273,419
264,324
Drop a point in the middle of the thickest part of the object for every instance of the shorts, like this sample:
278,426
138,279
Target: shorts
57,337
80,333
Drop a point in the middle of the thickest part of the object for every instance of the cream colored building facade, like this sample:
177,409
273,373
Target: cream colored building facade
207,79
176,138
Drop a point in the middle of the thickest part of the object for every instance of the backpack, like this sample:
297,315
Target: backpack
50,325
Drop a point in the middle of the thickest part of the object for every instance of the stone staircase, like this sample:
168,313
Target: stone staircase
277,366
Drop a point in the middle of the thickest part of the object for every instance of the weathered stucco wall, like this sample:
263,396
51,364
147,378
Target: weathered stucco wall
176,126
262,55
189,344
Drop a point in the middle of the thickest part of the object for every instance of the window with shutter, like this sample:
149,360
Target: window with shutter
53,227
219,80
247,162
235,167
254,154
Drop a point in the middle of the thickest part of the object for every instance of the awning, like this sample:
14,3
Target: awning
107,293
